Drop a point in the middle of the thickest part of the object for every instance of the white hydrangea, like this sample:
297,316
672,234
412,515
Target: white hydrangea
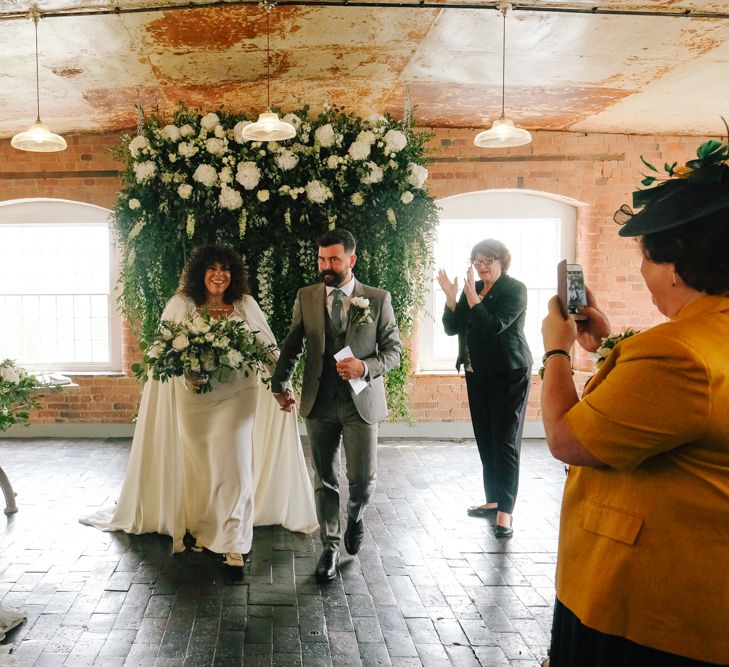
186,130
293,119
137,144
215,146
357,199
417,175
209,121
286,159
375,175
219,131
238,131
406,197
324,135
143,171
225,175
248,174
366,137
333,161
187,149
395,141
263,195
317,192
230,199
359,150
134,204
184,190
170,133
205,174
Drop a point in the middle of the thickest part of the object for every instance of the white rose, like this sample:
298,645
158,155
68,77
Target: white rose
366,137
137,144
248,174
230,199
359,150
180,342
187,149
10,374
154,351
186,130
357,199
375,175
184,190
416,175
199,326
209,121
219,131
225,175
165,333
170,133
286,160
263,195
317,192
235,358
333,161
395,141
215,146
406,197
238,131
324,135
360,302
134,204
143,171
205,174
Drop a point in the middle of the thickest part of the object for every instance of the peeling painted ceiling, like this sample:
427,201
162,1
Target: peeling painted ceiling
624,67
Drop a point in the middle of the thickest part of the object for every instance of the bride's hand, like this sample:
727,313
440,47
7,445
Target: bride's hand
286,401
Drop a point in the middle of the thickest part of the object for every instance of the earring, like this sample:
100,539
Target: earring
673,280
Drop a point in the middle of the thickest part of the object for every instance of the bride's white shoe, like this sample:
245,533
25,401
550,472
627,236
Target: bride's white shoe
233,559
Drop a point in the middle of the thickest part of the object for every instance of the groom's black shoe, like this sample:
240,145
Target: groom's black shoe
353,536
328,566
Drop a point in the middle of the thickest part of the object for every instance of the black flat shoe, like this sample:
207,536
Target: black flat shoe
481,512
502,532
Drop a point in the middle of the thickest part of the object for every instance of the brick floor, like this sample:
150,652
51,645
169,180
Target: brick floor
431,586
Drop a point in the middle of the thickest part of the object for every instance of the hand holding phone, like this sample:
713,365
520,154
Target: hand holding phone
571,288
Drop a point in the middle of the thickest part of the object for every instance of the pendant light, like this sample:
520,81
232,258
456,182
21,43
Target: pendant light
268,127
503,132
38,138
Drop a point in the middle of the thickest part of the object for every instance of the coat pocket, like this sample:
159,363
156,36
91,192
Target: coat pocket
608,522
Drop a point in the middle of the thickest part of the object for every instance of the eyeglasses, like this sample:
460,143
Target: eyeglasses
488,261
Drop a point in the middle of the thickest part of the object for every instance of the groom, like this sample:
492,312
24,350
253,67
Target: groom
328,317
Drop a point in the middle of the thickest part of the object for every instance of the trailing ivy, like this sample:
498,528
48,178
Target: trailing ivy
193,180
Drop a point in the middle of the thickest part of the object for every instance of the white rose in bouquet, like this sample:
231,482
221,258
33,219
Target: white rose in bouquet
134,204
263,195
209,121
186,130
406,197
187,149
170,133
215,146
416,175
180,342
184,190
235,358
357,199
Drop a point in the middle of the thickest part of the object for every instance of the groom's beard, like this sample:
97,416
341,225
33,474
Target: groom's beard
332,278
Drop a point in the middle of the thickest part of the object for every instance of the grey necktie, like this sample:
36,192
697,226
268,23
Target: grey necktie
337,295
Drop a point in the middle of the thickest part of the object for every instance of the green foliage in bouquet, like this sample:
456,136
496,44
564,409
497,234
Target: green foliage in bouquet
16,399
203,349
192,180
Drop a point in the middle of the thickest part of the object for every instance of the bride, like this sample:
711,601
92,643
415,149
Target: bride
214,464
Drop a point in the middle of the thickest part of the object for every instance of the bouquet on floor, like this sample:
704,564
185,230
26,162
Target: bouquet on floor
202,349
16,400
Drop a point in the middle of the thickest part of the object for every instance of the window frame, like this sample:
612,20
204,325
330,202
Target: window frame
34,211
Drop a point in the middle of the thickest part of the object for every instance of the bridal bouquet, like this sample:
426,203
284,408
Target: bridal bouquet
16,385
203,348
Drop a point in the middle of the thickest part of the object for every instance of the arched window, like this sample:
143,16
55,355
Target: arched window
58,269
539,231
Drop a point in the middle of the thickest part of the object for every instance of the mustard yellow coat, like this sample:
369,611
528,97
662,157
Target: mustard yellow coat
644,541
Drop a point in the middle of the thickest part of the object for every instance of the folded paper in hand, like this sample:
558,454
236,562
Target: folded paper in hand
357,384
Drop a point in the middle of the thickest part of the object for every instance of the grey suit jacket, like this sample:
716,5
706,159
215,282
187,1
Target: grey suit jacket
376,343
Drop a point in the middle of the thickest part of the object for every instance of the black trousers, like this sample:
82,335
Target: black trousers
498,406
576,645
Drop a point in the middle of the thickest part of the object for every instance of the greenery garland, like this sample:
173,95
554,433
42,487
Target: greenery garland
194,181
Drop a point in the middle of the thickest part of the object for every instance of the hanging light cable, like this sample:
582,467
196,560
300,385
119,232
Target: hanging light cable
503,133
38,138
268,127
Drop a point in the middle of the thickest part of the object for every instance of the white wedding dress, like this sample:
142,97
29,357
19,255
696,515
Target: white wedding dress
8,620
213,464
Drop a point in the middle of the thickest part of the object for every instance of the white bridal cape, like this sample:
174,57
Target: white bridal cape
213,464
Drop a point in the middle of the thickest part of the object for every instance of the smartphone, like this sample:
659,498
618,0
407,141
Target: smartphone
571,288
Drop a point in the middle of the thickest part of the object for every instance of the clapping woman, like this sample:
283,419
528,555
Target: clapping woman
642,563
210,465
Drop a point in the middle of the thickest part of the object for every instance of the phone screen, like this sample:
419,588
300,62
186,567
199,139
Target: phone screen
571,288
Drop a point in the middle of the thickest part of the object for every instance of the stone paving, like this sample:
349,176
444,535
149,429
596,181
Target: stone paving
431,586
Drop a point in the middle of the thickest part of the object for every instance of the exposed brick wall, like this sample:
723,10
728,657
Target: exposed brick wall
599,170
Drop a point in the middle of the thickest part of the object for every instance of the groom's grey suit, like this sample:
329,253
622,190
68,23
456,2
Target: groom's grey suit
330,408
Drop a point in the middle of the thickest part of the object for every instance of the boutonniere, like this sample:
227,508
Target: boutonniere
361,310
603,352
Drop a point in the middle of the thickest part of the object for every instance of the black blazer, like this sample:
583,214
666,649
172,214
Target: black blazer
494,328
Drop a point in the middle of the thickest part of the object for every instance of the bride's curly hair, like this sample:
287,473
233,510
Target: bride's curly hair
192,282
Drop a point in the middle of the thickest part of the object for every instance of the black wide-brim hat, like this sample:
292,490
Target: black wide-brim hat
674,203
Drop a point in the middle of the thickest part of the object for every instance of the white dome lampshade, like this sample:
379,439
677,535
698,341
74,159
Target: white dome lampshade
502,134
39,139
268,127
